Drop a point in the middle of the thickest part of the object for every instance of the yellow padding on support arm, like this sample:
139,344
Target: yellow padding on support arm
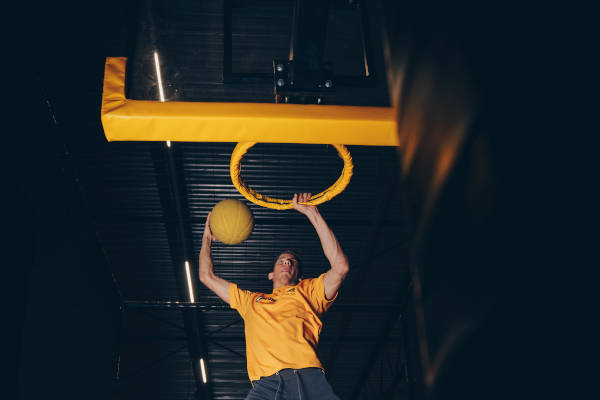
278,204
140,120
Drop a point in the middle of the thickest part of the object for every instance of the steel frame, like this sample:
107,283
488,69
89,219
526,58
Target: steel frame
354,307
366,80
179,237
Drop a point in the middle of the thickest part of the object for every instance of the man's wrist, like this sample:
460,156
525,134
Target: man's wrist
205,249
312,213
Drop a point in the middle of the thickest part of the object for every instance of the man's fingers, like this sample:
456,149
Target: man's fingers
301,198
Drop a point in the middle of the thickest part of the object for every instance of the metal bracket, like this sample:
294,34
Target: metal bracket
292,85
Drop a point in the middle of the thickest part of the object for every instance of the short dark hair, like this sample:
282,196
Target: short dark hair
292,252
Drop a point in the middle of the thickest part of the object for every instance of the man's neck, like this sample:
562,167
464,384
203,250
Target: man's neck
277,285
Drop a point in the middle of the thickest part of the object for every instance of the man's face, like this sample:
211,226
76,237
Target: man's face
285,269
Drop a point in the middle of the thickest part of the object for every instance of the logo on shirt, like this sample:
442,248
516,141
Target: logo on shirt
265,300
291,291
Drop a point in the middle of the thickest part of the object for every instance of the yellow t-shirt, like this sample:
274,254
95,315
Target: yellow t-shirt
282,328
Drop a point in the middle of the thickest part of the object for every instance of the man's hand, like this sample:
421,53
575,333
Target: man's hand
208,235
302,198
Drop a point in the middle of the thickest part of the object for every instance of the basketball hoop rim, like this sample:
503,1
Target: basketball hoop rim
279,204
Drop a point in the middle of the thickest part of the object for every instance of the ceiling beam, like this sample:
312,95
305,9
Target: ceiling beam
354,307
241,339
262,221
179,236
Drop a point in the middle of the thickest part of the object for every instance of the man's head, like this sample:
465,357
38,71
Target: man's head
287,269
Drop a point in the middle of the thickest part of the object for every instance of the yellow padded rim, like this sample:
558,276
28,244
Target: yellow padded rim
279,204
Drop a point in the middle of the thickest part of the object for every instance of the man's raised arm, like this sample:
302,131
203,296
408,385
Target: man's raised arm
331,247
207,276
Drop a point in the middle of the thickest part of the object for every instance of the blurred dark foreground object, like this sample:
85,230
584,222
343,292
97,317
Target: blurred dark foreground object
465,81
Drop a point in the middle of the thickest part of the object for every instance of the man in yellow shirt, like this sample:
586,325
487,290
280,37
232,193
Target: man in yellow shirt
282,328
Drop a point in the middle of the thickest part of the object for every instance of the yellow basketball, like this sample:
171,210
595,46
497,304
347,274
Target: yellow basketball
231,221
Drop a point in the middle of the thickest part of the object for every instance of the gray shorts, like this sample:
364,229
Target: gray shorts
293,384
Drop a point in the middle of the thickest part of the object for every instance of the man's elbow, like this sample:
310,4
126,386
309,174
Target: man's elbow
205,278
342,268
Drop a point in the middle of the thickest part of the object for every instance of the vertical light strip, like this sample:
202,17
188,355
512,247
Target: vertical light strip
159,78
161,92
203,370
189,279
